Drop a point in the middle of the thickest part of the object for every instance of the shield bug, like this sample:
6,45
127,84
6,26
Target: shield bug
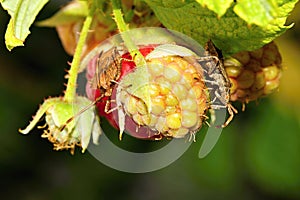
216,80
107,71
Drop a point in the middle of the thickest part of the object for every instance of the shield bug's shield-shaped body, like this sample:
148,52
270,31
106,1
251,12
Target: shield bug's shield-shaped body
108,71
216,80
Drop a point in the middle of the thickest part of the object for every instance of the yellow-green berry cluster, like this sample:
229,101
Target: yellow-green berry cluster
254,74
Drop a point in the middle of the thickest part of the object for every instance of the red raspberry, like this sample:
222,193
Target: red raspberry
126,66
176,91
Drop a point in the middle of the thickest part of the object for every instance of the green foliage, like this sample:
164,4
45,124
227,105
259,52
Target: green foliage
257,12
23,13
218,6
233,26
233,31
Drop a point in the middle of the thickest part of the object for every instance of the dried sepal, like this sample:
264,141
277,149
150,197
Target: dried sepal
64,128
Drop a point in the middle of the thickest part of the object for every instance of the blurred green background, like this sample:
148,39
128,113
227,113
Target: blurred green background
257,156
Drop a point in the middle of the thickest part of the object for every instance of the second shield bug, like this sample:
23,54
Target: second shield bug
216,80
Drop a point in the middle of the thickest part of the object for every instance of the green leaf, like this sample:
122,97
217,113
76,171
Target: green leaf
218,6
230,33
259,12
73,12
23,13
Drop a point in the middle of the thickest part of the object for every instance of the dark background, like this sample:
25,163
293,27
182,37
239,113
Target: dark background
257,156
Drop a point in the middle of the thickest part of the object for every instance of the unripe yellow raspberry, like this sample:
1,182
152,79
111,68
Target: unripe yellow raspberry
177,102
254,74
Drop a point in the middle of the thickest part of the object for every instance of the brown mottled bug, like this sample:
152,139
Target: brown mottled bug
108,71
216,80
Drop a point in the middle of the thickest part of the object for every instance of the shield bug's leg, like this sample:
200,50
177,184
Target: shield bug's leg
243,106
212,82
111,110
229,119
107,109
207,123
218,95
232,108
158,137
207,58
205,117
231,111
221,98
192,137
213,101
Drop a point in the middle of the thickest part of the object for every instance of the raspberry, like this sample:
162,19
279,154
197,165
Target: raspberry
170,102
173,110
254,74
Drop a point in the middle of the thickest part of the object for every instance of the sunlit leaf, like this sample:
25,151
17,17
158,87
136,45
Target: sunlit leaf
259,12
218,6
23,13
230,32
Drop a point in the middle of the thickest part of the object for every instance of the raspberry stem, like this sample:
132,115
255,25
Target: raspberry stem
72,78
123,28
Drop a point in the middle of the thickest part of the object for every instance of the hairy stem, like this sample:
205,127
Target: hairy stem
73,73
123,28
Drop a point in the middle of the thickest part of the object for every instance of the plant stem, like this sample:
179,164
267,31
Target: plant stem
73,73
123,28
